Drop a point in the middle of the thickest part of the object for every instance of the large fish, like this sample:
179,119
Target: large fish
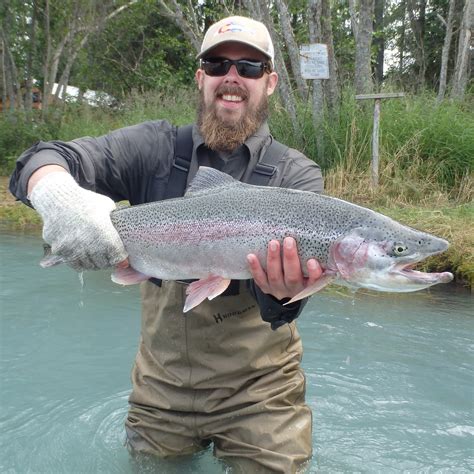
207,234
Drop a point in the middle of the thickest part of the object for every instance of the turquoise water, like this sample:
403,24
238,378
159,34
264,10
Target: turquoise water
390,377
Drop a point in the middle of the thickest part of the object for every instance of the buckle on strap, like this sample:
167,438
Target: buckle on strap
181,164
267,170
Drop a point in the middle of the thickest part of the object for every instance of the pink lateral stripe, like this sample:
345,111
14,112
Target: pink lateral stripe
193,232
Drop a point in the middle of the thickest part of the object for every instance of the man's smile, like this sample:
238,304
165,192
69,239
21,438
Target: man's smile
231,101
232,98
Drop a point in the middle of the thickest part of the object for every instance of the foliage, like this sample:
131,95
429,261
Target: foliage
141,50
18,132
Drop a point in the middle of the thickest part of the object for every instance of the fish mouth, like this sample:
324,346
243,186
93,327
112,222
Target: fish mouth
421,278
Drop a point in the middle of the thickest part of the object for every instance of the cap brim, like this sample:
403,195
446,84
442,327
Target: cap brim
247,43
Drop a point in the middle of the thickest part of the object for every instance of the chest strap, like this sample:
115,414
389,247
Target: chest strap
267,166
183,152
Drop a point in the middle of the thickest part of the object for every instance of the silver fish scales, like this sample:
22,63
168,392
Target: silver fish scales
207,234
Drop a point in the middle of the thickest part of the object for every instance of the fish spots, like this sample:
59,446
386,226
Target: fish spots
211,231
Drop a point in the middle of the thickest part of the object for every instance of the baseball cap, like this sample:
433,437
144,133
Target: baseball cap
238,29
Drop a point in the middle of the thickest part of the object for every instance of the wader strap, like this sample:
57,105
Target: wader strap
183,152
266,167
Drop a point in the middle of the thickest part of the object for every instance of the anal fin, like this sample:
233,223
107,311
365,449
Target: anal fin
128,276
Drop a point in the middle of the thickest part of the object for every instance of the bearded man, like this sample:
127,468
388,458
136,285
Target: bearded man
227,373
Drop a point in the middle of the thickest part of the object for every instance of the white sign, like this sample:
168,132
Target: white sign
314,61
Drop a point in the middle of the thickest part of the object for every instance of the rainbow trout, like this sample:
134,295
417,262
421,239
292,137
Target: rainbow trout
207,234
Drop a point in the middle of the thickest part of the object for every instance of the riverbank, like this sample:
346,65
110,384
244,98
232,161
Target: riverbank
452,222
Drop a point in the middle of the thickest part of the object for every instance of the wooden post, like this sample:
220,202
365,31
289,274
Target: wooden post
376,127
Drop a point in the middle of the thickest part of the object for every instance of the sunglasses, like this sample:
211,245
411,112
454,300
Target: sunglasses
245,67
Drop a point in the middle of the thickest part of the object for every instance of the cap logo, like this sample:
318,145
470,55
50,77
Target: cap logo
232,27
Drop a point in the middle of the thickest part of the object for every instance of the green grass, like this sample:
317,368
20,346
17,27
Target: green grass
438,138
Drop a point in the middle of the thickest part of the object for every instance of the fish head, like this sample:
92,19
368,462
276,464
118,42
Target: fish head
382,257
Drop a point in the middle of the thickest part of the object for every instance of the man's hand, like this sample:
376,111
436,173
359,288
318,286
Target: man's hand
77,223
284,277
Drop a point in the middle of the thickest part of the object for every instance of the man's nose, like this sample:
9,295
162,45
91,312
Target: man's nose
232,75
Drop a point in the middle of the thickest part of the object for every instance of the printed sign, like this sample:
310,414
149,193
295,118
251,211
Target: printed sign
314,61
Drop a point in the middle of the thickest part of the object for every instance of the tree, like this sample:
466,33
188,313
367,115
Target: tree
362,27
72,30
462,59
292,48
379,41
417,14
315,36
260,11
11,69
446,48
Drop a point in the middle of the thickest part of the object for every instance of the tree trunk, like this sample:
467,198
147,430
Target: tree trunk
417,22
445,53
315,36
461,68
331,85
362,28
292,48
401,43
4,75
46,59
379,40
13,89
29,64
11,73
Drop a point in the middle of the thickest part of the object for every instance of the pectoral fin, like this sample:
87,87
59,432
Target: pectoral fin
209,288
128,276
318,285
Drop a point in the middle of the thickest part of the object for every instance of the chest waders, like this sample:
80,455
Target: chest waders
219,373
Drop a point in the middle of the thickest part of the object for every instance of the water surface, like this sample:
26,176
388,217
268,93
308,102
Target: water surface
389,377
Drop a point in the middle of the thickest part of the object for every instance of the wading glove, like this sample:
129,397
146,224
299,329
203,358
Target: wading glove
76,223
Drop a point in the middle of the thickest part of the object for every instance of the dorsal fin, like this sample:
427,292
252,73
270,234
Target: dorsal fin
209,178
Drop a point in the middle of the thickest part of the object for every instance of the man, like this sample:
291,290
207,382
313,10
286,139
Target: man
219,374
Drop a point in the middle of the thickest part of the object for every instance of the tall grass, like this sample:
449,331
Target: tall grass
426,149
19,131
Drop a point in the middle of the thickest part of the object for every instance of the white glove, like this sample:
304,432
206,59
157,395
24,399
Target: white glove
76,223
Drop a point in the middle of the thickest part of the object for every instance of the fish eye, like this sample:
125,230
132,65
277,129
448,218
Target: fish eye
399,249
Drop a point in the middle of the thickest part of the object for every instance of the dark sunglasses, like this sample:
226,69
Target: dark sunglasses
245,67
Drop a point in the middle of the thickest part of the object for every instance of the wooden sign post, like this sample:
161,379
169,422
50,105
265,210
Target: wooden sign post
375,131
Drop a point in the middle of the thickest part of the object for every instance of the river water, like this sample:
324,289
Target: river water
389,377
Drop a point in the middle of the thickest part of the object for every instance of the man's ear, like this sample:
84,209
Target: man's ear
272,82
199,77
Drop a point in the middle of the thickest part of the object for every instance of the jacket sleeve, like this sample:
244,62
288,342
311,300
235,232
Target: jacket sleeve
118,164
297,172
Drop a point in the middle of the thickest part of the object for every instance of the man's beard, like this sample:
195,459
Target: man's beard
227,134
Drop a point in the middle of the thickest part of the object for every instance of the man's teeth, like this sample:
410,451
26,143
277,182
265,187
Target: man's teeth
232,98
